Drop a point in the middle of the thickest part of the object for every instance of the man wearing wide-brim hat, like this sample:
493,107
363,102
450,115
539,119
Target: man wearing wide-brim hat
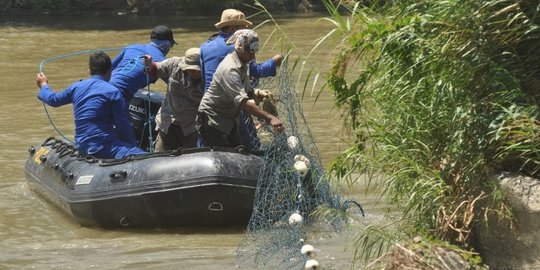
233,17
176,118
214,50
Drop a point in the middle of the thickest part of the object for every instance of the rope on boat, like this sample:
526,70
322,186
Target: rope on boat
42,64
149,121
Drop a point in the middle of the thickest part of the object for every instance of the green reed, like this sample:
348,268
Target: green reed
439,95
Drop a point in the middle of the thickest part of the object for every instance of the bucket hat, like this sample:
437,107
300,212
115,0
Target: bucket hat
191,59
232,17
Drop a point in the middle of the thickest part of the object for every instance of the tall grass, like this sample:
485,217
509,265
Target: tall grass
442,94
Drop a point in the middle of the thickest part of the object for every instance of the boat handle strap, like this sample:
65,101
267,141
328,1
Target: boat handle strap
118,174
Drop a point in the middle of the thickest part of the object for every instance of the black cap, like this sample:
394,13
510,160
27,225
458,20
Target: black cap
162,32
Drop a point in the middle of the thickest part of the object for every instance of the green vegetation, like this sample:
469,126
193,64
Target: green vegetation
439,95
419,254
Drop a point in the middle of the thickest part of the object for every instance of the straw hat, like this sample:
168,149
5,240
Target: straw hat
191,60
232,17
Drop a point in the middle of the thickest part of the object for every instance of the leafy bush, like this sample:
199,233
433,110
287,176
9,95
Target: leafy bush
439,94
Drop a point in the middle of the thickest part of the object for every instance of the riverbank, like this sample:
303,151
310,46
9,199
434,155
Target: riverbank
155,7
442,95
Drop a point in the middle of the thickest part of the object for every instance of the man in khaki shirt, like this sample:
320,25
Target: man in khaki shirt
217,120
176,117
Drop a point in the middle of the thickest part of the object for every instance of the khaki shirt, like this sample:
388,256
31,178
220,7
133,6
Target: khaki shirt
221,102
182,98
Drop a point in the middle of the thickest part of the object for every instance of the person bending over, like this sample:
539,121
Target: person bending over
128,68
214,50
102,127
128,73
217,117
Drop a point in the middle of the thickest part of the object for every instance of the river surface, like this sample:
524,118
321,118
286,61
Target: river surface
35,235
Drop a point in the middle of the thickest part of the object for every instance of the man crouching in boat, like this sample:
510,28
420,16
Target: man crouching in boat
176,117
102,126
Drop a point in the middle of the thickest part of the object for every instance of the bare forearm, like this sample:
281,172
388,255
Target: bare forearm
249,106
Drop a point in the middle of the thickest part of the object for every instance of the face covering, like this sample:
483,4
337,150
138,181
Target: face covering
245,40
253,47
163,45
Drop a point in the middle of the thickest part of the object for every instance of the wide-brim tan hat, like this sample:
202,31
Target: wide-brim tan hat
232,17
191,60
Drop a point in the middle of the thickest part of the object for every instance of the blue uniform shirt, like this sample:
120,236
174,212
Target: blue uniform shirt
99,113
128,68
214,50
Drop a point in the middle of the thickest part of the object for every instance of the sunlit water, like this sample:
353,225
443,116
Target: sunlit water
33,234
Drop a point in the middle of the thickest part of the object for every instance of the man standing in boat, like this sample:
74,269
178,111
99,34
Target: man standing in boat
217,118
127,68
176,117
214,50
102,126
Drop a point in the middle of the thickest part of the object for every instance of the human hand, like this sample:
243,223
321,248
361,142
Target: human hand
41,79
278,58
147,59
276,124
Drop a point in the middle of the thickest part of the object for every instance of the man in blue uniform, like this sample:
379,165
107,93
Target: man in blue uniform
128,68
102,126
214,50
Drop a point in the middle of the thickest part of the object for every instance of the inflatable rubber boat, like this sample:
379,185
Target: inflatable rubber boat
198,187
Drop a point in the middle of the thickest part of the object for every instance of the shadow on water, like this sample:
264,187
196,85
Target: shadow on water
182,231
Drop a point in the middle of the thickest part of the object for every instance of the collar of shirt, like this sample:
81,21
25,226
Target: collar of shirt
225,35
237,60
98,77
163,45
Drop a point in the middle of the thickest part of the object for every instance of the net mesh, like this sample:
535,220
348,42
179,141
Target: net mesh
292,186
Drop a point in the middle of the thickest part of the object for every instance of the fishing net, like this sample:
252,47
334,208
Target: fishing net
291,189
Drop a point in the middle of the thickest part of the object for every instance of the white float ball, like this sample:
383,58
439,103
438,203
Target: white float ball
301,167
303,158
307,250
292,142
295,219
311,265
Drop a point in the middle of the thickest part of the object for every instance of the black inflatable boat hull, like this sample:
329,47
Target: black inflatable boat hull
190,188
